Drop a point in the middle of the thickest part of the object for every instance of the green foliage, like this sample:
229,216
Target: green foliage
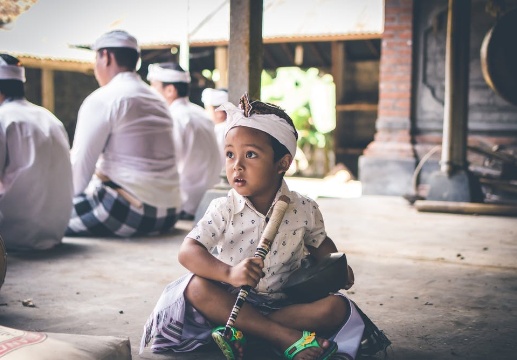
295,90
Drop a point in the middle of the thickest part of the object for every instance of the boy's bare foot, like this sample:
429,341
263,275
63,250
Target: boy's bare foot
238,350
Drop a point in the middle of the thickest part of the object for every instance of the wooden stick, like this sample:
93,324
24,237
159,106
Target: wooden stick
263,248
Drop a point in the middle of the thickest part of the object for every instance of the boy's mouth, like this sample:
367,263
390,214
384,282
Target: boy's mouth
239,181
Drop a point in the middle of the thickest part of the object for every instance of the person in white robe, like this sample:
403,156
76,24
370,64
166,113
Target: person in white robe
212,99
35,172
197,152
126,181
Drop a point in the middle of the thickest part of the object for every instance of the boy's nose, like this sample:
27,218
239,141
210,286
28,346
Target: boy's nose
237,164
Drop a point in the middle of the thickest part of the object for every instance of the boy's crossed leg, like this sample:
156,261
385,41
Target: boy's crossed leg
281,328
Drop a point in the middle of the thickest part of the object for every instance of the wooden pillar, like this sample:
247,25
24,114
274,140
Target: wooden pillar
455,118
47,89
338,66
245,49
244,68
455,182
221,64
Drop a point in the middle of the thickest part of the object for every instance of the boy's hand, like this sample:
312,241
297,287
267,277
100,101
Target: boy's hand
350,278
247,272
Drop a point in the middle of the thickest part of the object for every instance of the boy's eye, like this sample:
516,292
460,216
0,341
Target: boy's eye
229,154
251,155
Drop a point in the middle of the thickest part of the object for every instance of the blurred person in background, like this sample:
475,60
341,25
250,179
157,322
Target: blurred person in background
124,168
198,154
35,172
212,99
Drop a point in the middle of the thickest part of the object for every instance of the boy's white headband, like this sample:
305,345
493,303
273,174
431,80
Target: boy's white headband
156,72
269,123
11,72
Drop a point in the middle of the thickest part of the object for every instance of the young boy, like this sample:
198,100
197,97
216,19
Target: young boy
260,144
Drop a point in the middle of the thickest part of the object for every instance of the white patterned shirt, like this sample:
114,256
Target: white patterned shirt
232,227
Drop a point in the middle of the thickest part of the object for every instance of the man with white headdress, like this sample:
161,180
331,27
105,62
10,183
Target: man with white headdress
124,168
35,172
199,163
212,99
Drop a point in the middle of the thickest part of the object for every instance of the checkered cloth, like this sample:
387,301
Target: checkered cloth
106,213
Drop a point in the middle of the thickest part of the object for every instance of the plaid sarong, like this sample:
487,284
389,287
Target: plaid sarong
106,213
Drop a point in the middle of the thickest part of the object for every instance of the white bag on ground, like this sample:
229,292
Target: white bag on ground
22,345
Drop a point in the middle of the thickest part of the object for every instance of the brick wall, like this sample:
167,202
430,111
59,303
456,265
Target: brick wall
393,124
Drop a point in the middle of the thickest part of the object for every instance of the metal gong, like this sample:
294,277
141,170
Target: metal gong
499,57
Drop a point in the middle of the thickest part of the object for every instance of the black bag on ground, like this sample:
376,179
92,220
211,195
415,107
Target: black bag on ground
313,281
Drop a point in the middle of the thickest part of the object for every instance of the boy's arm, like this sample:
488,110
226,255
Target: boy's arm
196,258
325,248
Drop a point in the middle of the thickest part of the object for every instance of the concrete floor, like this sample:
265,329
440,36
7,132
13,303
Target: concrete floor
441,286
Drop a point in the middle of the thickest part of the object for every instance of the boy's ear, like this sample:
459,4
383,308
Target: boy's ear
284,163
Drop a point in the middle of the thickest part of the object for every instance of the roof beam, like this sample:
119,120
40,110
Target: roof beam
282,39
49,64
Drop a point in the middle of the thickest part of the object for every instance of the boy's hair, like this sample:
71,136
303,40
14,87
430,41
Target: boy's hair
262,108
12,88
125,57
182,88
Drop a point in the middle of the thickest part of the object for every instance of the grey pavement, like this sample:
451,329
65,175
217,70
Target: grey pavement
441,286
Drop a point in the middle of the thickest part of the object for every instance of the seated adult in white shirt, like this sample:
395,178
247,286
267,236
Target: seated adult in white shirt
35,171
212,99
199,163
124,168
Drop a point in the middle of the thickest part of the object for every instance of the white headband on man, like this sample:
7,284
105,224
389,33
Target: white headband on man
11,72
214,97
269,123
158,73
116,39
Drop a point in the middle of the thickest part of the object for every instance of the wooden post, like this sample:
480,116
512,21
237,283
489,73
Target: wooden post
455,119
47,89
338,65
245,49
454,181
221,64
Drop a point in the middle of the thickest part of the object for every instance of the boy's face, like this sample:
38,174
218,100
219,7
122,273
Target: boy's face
249,165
